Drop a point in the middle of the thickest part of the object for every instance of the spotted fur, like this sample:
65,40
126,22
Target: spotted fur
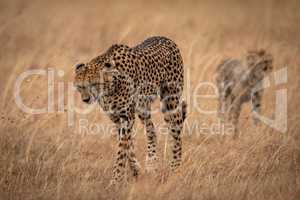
125,81
240,81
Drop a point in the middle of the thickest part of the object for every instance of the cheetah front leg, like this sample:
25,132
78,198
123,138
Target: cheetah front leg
256,98
125,154
225,100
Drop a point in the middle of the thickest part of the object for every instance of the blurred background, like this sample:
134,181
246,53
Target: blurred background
44,156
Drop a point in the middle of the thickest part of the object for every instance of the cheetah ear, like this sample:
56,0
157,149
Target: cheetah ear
79,67
261,52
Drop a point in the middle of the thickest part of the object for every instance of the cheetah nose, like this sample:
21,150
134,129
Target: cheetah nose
87,100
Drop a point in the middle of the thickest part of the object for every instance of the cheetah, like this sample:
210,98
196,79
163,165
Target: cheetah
125,81
239,82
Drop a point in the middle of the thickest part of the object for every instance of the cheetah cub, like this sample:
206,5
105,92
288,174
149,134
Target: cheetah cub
240,81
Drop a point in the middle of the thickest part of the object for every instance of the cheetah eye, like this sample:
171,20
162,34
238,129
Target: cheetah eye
107,65
79,87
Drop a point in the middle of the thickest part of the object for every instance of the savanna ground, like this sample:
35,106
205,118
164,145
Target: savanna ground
43,157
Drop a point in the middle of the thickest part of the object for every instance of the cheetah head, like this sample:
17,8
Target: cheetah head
93,79
260,61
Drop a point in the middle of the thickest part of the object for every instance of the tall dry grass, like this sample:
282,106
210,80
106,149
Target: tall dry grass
43,158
